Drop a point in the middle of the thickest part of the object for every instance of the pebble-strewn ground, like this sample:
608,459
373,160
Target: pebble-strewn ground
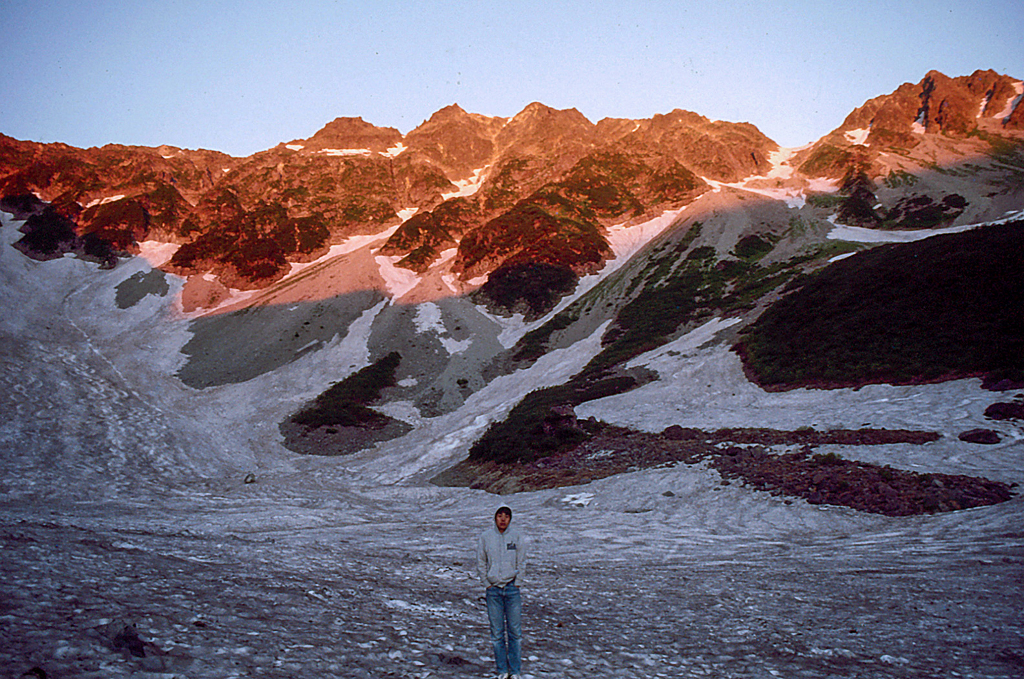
398,599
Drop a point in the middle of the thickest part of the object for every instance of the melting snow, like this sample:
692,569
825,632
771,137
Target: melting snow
399,281
858,137
156,252
394,151
345,152
294,147
104,201
467,187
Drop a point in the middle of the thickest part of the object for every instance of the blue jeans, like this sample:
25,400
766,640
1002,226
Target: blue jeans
504,611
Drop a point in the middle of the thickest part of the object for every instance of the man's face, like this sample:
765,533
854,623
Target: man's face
501,520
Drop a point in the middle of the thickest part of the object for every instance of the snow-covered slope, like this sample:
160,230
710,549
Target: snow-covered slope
124,500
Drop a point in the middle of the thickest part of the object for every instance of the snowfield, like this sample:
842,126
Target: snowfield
154,530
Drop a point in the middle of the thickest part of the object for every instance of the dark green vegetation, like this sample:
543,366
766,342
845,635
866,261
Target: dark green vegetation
856,205
945,307
532,288
254,244
923,212
425,234
680,286
827,160
49,234
535,232
544,424
560,223
858,190
743,456
899,178
344,403
829,479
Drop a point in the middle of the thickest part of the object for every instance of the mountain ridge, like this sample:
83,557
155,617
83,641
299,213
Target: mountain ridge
293,201
475,249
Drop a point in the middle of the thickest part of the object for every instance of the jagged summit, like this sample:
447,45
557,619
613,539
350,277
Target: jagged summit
457,141
954,107
471,181
354,134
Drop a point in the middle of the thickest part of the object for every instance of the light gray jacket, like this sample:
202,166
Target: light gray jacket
501,557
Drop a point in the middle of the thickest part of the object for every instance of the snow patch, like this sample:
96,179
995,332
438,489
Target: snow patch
578,499
429,319
858,137
625,241
467,187
406,213
350,244
781,169
859,234
984,104
157,253
684,345
345,152
294,147
1011,105
104,201
398,281
395,150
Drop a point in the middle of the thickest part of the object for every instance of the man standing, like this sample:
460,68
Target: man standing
501,563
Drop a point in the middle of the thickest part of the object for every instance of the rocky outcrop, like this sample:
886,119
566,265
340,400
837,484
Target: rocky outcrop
938,104
983,436
456,141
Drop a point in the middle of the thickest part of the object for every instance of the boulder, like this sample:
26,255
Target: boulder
986,436
1005,411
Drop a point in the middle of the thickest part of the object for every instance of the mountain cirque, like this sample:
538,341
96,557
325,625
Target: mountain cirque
304,239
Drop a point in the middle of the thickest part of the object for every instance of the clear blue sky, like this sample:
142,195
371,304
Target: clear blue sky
242,76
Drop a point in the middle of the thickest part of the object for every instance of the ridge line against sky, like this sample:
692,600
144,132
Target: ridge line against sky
241,77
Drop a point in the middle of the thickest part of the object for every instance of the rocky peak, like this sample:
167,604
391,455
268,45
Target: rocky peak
937,104
457,141
539,128
719,150
353,134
